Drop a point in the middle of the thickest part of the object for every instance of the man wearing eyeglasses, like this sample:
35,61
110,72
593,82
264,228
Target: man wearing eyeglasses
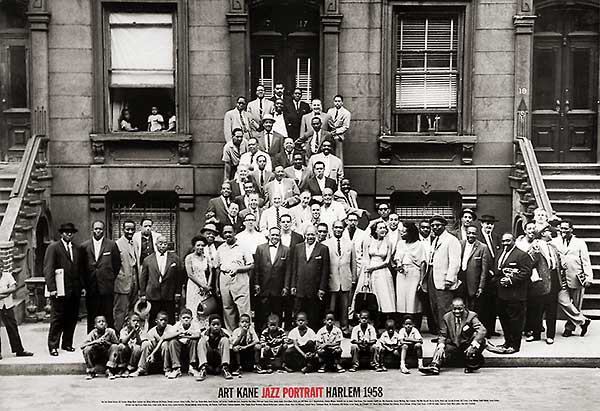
383,209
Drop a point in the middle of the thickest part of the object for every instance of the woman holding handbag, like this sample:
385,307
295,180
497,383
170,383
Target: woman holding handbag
199,278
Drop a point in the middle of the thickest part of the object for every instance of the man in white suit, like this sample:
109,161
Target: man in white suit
339,124
356,235
575,260
444,264
342,273
237,117
285,187
144,241
317,111
334,168
349,198
257,109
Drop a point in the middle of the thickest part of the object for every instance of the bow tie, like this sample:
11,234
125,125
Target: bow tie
162,254
272,246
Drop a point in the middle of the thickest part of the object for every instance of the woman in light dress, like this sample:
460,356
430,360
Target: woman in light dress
410,260
377,253
199,278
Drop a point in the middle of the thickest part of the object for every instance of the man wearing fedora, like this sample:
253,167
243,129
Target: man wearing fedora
488,310
269,141
444,264
467,218
209,231
161,281
62,263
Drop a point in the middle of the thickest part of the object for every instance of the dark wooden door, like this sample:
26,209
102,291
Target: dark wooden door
565,85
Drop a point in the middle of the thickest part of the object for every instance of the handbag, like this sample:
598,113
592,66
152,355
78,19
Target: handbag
365,299
208,304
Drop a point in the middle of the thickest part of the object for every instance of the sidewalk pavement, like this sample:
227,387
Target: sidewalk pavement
574,351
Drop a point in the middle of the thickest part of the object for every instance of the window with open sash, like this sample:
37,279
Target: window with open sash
426,73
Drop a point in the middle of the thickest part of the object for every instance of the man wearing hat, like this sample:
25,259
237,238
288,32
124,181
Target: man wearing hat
444,264
259,108
62,263
466,219
210,232
269,141
462,337
488,297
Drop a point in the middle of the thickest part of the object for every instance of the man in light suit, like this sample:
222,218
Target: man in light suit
334,168
309,275
461,336
356,236
311,142
342,273
161,281
127,282
575,260
295,110
102,264
144,241
301,214
339,124
220,205
285,187
474,268
237,117
319,182
63,257
349,198
444,263
271,216
298,171
269,141
251,157
512,272
317,111
258,108
272,263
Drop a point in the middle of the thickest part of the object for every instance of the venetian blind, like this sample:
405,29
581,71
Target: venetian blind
267,74
426,74
303,79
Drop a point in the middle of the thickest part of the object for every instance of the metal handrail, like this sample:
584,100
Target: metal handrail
535,174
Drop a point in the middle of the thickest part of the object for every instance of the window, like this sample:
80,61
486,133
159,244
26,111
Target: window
267,74
303,77
426,72
142,54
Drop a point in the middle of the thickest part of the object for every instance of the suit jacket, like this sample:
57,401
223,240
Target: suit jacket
313,186
290,192
295,116
232,121
281,159
303,144
127,279
517,289
446,260
543,268
255,177
306,122
238,226
308,277
495,245
336,167
357,240
276,144
341,123
137,247
171,284
271,276
478,261
99,276
253,110
471,329
217,205
57,257
306,174
342,267
235,187
575,260
350,202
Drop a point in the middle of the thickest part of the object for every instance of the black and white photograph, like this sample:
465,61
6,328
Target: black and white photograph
299,204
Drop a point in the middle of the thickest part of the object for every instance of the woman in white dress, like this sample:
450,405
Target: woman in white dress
199,277
377,253
410,259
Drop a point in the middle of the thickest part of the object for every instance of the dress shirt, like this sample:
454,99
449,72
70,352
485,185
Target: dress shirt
309,335
321,183
298,174
369,335
97,246
233,256
68,247
268,140
309,249
315,142
465,256
326,336
273,252
286,239
250,240
6,281
490,244
161,260
279,125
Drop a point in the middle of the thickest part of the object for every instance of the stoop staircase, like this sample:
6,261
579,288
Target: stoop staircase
574,192
8,175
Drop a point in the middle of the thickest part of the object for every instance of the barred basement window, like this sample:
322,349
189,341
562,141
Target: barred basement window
427,73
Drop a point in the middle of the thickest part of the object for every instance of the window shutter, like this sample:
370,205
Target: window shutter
303,79
267,70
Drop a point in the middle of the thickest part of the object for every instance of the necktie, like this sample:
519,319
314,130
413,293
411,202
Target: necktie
262,178
488,240
277,217
317,143
336,114
242,122
71,251
296,104
339,247
351,233
252,159
289,156
260,109
268,142
502,258
457,326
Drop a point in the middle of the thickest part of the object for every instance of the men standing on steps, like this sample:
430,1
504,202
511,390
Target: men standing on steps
62,264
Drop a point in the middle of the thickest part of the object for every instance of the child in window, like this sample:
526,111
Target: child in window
155,120
363,341
172,122
100,348
125,122
412,342
245,346
130,346
329,345
301,351
272,345
389,343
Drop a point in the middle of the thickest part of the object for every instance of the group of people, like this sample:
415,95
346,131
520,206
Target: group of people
155,122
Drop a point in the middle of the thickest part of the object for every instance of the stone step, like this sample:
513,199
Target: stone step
569,169
575,206
581,217
571,181
593,314
571,193
587,230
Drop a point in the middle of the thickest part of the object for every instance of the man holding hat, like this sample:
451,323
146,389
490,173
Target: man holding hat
210,232
269,141
444,263
62,264
466,219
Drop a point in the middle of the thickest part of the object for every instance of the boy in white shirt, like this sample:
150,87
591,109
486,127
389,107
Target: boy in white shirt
155,120
412,341
329,345
389,343
8,285
363,341
301,350
185,335
245,346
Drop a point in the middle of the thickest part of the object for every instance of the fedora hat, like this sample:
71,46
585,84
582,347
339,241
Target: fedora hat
67,227
469,211
209,227
268,117
207,306
439,218
142,308
487,218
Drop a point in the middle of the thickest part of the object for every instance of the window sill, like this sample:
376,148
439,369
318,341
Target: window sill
183,142
467,142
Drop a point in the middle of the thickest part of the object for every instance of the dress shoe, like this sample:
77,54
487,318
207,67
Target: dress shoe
585,326
510,350
69,349
549,341
24,354
54,352
469,371
531,338
435,340
567,333
431,370
497,349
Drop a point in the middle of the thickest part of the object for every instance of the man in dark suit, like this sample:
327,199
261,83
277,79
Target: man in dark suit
62,261
474,267
102,264
312,140
319,182
308,278
233,218
161,281
488,311
269,141
272,264
513,270
295,109
462,337
220,205
286,157
290,239
298,171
